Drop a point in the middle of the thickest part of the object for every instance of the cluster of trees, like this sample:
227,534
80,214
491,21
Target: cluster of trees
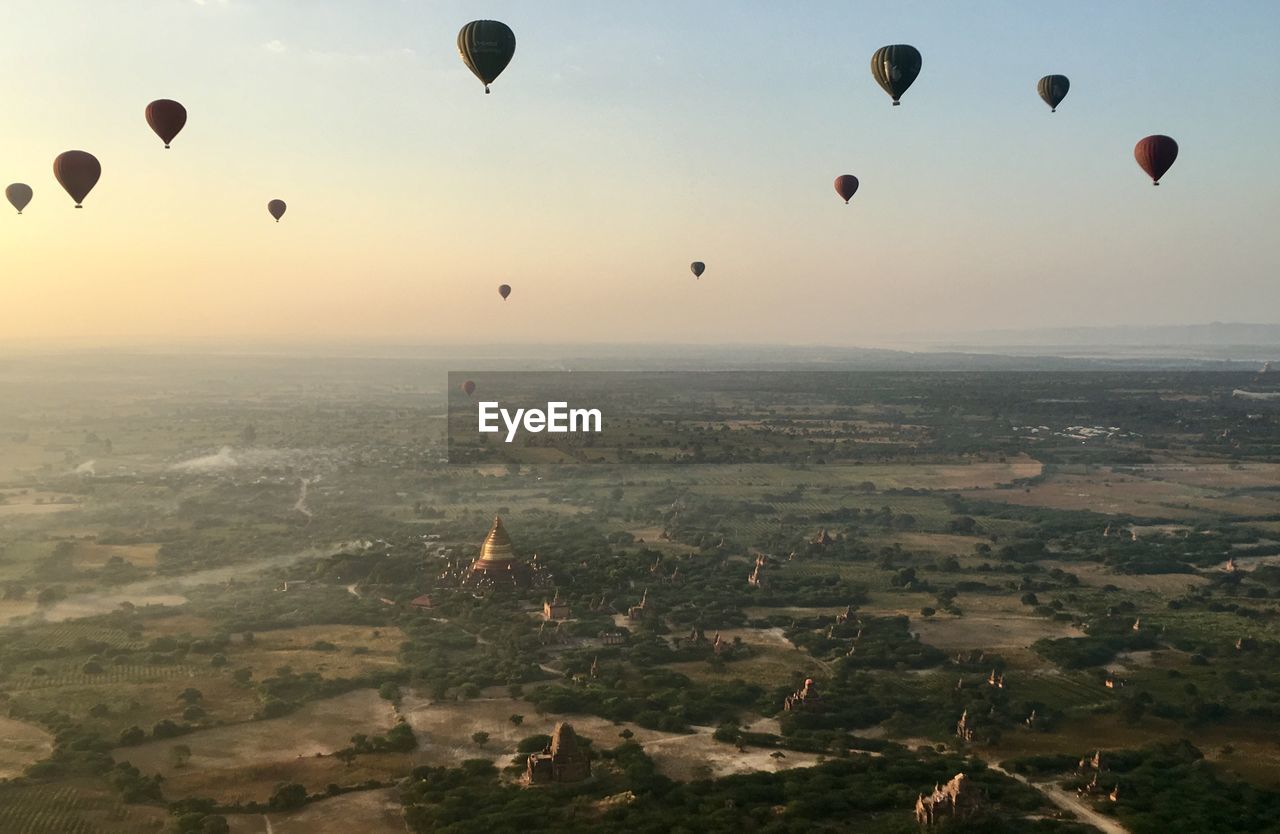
856,793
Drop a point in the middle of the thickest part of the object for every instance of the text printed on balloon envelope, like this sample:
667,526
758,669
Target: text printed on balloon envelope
557,418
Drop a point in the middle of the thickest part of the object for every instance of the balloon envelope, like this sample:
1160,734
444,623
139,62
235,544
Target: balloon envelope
78,173
697,268
846,186
276,209
1053,89
166,118
895,68
1156,154
504,290
18,195
486,47
468,387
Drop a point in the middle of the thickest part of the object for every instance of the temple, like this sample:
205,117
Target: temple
957,798
497,565
804,698
565,759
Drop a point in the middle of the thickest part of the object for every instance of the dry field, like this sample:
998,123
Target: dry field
1097,576
368,812
21,744
93,555
444,736
320,727
1111,493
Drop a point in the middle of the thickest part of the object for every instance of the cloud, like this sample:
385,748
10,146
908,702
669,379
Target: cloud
274,46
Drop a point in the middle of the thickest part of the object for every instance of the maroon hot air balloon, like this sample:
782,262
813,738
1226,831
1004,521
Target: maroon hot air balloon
1156,155
846,186
18,194
166,118
78,173
504,290
276,209
468,387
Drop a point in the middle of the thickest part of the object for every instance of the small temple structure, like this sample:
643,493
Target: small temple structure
957,798
804,698
565,759
497,565
555,609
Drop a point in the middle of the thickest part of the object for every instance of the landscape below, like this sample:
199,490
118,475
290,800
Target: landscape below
263,602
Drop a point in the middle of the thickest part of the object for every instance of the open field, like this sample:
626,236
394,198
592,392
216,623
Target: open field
21,744
1112,492
73,808
368,812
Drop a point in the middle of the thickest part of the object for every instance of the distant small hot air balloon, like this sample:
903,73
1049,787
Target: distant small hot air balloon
1053,89
697,268
504,290
486,47
1155,154
846,186
166,118
18,195
468,387
895,68
276,209
78,173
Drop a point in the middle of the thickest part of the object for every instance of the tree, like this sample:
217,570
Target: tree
480,737
179,755
131,736
191,695
287,797
516,720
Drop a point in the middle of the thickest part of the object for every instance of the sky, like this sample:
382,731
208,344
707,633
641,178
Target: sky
624,141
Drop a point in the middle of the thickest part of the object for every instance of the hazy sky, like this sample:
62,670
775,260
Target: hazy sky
624,141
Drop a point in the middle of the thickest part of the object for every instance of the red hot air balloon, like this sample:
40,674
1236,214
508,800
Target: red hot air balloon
1155,154
846,186
276,209
18,195
78,173
166,118
504,290
468,387
697,268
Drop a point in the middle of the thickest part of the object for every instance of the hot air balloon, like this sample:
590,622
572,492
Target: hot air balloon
1053,89
276,209
78,173
166,118
486,47
18,195
504,290
697,268
1156,155
846,186
895,67
468,387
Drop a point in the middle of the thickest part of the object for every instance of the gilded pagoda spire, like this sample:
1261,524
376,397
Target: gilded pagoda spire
497,545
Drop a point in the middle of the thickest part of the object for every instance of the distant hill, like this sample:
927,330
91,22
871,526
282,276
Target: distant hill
1217,334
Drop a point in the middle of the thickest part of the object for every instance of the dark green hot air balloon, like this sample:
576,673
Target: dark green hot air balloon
895,67
486,47
1053,89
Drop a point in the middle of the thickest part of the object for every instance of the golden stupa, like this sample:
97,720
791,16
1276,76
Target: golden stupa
497,545
497,561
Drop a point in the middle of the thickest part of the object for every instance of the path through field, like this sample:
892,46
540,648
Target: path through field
1068,802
